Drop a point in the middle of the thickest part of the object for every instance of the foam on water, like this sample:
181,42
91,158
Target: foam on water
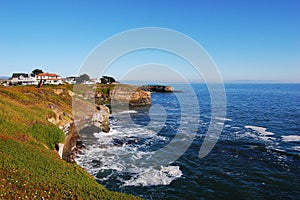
162,176
260,130
128,112
222,119
291,138
296,148
121,150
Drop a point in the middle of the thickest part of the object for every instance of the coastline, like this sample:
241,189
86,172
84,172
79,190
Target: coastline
30,165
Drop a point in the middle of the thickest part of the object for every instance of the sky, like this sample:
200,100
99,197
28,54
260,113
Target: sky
250,40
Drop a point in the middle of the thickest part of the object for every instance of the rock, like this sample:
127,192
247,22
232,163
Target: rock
131,95
101,118
58,91
157,88
121,94
71,93
60,149
70,144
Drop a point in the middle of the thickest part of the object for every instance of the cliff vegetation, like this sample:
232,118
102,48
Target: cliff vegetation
30,167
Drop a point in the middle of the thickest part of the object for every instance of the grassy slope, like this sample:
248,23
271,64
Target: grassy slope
29,166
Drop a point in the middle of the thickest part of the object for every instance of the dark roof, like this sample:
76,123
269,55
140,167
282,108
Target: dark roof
108,79
17,75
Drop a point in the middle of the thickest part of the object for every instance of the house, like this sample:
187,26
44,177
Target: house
48,78
107,80
71,79
23,79
91,82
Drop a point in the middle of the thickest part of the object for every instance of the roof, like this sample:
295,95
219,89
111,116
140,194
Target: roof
47,74
17,75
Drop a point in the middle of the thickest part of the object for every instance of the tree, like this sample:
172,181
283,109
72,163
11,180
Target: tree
37,71
82,78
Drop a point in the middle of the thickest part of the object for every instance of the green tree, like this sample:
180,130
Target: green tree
82,78
37,71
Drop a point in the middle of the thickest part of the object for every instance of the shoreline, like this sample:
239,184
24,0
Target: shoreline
27,147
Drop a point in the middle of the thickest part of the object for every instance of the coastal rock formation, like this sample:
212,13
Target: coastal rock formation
157,88
71,147
122,94
114,94
131,95
91,123
100,118
89,115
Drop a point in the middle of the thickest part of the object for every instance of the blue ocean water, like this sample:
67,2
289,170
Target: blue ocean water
257,155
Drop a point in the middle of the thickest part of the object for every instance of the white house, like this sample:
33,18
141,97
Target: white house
48,78
71,79
23,79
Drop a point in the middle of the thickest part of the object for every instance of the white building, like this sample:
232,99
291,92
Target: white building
23,79
47,78
71,79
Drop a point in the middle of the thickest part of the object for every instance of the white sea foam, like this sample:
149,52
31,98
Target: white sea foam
118,151
162,176
250,134
296,148
260,130
222,119
128,112
291,138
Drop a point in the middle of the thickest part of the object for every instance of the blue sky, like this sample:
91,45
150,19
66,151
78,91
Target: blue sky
248,40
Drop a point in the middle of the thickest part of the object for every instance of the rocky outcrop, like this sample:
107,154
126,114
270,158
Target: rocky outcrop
114,94
71,149
131,95
90,116
157,88
97,122
100,118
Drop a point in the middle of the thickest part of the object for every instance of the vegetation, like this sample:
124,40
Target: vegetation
37,71
29,166
82,78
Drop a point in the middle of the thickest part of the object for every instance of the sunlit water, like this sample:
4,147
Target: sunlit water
256,156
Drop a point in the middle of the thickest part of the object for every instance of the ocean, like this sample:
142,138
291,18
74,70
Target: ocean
257,155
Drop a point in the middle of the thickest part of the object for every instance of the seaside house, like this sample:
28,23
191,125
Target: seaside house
71,79
48,78
23,79
91,82
107,80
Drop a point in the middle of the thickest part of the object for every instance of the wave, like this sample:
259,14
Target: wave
150,176
223,119
128,112
263,131
120,151
291,138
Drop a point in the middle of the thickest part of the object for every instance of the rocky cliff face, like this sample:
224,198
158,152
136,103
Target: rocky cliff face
122,94
88,116
89,124
89,113
134,96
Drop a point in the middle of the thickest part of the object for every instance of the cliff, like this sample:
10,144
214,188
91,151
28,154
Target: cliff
31,126
122,94
157,88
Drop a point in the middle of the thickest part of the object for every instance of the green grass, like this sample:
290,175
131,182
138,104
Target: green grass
29,167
